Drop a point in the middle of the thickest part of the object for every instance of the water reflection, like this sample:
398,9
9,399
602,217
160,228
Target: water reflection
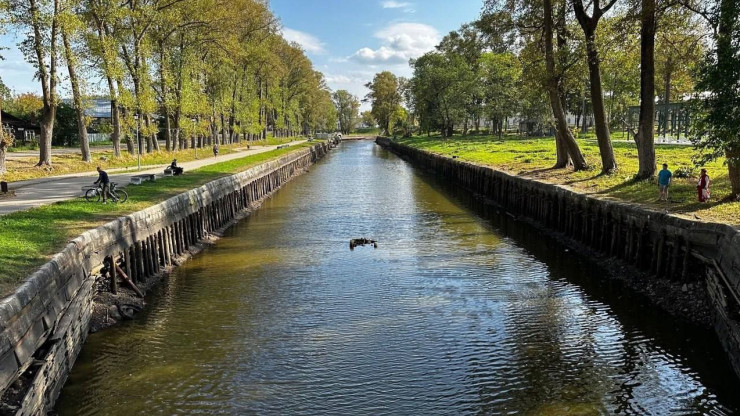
458,311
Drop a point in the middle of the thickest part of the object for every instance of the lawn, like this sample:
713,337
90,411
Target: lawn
28,239
25,168
533,157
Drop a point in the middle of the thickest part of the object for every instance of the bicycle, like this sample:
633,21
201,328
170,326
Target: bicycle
116,195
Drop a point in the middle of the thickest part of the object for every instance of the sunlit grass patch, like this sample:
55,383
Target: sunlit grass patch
533,157
30,238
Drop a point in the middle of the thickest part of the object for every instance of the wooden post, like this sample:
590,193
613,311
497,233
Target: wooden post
145,257
127,260
673,273
686,256
640,244
113,277
659,267
140,262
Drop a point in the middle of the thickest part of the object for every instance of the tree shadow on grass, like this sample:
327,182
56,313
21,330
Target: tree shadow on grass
591,178
616,188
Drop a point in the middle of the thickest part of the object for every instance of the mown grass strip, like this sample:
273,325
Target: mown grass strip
25,168
533,157
29,238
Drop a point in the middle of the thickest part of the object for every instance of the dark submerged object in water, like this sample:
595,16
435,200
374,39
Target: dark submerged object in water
361,242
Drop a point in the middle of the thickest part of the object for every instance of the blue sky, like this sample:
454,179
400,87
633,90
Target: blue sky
351,40
348,40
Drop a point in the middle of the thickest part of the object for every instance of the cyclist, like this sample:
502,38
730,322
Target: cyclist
104,182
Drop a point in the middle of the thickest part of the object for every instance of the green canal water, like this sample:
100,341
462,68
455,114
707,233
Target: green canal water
458,311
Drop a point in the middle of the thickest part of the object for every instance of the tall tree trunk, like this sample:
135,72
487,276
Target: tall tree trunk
645,130
603,137
567,140
76,97
733,170
48,78
5,140
116,133
114,108
130,146
726,35
667,95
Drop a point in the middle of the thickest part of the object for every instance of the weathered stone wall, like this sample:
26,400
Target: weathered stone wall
662,245
44,324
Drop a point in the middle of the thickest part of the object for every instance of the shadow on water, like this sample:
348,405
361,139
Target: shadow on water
697,346
461,310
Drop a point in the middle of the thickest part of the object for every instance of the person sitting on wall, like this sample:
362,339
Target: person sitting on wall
176,170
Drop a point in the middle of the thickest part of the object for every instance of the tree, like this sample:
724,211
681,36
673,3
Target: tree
6,139
717,131
589,25
441,90
384,98
348,110
564,136
41,17
679,48
500,74
70,26
535,24
26,106
368,119
645,131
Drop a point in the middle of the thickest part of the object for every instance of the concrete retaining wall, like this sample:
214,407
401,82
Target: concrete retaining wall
44,324
665,246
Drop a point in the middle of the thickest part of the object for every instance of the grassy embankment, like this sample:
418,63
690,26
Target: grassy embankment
28,239
62,164
533,157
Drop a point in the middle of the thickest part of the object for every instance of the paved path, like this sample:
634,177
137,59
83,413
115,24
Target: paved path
44,191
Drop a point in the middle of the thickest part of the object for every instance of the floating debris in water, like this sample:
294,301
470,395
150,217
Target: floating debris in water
361,242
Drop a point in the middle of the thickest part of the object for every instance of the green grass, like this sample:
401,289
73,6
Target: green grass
533,157
29,238
25,168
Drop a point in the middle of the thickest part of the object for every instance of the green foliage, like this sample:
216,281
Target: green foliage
65,126
348,110
385,97
716,129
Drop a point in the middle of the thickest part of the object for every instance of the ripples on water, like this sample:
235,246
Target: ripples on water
456,312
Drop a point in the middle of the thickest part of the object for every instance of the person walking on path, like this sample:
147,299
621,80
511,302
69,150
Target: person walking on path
703,186
215,150
104,183
664,181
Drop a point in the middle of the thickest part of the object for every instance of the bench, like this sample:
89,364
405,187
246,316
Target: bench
168,172
283,146
139,179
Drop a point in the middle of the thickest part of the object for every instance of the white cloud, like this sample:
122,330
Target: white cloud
391,4
399,43
308,42
394,4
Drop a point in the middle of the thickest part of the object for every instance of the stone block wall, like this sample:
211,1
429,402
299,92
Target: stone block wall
662,245
44,324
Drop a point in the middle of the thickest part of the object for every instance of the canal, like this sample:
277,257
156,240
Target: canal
459,310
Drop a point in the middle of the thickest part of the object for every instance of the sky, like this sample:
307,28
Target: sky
352,40
348,40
